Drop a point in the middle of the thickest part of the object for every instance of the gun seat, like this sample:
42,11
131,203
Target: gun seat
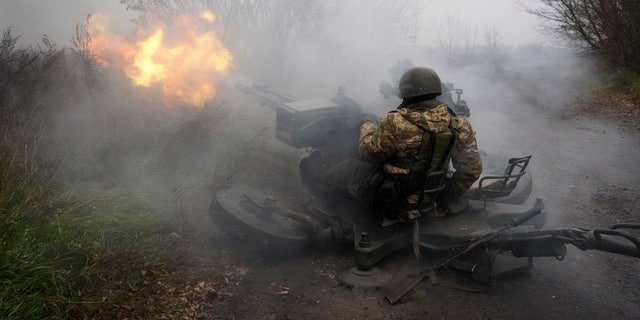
498,186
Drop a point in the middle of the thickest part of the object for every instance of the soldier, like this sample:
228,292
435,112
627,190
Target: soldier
416,140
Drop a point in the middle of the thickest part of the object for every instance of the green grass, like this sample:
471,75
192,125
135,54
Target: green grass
31,285
97,239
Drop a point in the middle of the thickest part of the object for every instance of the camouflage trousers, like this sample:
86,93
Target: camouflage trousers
354,177
390,195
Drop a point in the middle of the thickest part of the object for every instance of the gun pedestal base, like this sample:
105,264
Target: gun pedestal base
364,278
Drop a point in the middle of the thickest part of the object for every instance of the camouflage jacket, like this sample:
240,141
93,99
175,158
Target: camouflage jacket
399,136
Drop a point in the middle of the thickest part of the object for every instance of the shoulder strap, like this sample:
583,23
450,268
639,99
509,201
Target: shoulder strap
444,160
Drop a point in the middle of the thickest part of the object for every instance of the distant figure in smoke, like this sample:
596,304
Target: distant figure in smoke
386,89
409,151
389,92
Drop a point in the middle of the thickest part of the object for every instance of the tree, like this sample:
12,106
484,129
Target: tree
469,38
403,17
607,28
453,33
448,34
491,38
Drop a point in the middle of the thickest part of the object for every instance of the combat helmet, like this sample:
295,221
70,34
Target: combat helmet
418,82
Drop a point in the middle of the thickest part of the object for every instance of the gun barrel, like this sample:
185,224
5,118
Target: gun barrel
265,96
550,243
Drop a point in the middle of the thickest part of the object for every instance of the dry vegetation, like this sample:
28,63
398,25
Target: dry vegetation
608,28
612,102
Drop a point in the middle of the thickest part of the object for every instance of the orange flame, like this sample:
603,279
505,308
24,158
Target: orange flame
181,58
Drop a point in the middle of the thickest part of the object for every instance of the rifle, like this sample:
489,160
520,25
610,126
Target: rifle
430,273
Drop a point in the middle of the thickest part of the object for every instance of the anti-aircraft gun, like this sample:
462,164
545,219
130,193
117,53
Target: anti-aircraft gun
487,235
331,126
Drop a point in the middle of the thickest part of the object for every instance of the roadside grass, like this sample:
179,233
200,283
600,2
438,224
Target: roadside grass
85,257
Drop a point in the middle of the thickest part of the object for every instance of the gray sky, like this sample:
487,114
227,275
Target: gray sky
30,19
57,18
514,26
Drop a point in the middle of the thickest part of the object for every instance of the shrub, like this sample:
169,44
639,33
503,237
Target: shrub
628,83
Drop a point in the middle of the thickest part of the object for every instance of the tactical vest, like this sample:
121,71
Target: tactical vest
433,155
434,151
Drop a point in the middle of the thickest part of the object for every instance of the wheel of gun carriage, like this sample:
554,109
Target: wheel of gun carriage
258,220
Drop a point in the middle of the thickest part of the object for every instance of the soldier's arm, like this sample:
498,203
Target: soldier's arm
377,142
466,159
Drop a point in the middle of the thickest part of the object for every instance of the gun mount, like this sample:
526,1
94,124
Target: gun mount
459,106
488,234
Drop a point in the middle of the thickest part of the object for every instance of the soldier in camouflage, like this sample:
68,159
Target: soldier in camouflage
419,138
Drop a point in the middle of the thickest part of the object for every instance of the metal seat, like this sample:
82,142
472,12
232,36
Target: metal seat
434,184
491,187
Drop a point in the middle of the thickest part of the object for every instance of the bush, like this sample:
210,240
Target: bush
24,186
629,84
608,28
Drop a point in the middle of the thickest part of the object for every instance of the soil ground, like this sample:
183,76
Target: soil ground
585,167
